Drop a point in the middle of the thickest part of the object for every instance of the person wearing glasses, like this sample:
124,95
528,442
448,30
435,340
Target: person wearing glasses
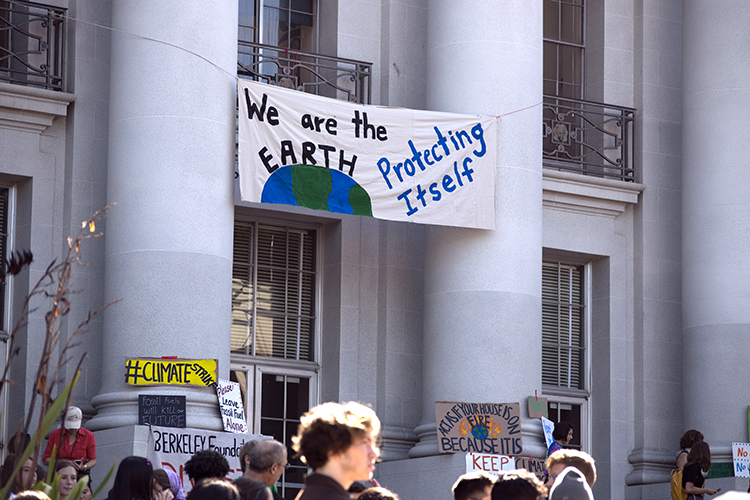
265,460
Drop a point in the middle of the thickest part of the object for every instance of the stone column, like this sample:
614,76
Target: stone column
168,250
482,325
715,220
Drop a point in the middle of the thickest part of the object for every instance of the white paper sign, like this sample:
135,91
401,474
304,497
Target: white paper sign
232,409
398,164
548,426
741,459
170,448
491,464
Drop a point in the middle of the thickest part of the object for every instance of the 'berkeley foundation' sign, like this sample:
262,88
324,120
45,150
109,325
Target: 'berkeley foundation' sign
390,163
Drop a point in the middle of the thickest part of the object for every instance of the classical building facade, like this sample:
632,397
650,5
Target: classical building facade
615,283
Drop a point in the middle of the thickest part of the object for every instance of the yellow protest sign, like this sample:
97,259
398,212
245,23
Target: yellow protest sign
159,371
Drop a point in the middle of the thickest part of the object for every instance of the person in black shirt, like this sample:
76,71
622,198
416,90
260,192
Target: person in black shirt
699,459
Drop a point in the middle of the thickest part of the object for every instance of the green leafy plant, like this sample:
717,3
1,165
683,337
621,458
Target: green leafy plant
55,286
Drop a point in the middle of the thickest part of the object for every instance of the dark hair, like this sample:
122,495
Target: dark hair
574,458
331,428
61,464
561,430
161,478
378,494
133,480
251,489
690,438
700,453
206,464
471,485
214,489
11,461
518,484
18,442
86,473
359,486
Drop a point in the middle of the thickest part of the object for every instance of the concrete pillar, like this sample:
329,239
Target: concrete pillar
482,325
715,220
168,250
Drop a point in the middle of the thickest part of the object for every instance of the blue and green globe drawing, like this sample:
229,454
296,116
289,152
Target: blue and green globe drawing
319,188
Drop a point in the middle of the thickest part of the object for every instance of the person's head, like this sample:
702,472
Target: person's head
21,481
175,484
133,480
473,486
72,419
689,439
265,459
559,460
339,436
700,454
214,489
86,493
32,495
68,476
518,484
570,485
358,487
378,493
206,464
18,442
563,432
252,489
161,481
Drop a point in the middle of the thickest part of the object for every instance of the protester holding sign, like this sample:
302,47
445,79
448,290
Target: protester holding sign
338,442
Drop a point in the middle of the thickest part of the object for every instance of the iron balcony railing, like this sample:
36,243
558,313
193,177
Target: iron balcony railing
315,73
588,138
32,37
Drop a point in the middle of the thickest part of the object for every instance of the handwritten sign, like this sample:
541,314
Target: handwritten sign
164,411
157,371
232,410
479,428
548,426
493,464
741,459
399,164
538,407
172,448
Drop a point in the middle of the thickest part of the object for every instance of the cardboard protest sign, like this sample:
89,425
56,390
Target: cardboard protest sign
232,409
538,407
479,428
158,371
170,448
741,459
164,411
493,464
390,163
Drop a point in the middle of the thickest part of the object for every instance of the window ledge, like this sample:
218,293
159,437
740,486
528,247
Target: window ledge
570,192
31,109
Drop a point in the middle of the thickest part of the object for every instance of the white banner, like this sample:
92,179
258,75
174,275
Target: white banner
170,448
391,163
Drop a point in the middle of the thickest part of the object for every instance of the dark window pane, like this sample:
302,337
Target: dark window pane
272,404
571,25
298,397
551,20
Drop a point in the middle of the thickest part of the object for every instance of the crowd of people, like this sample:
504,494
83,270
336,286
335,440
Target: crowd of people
338,442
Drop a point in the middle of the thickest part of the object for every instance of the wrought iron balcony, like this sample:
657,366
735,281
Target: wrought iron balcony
315,73
588,138
32,44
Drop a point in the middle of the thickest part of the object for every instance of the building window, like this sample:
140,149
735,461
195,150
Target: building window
274,325
564,342
562,326
280,23
273,291
4,248
564,44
